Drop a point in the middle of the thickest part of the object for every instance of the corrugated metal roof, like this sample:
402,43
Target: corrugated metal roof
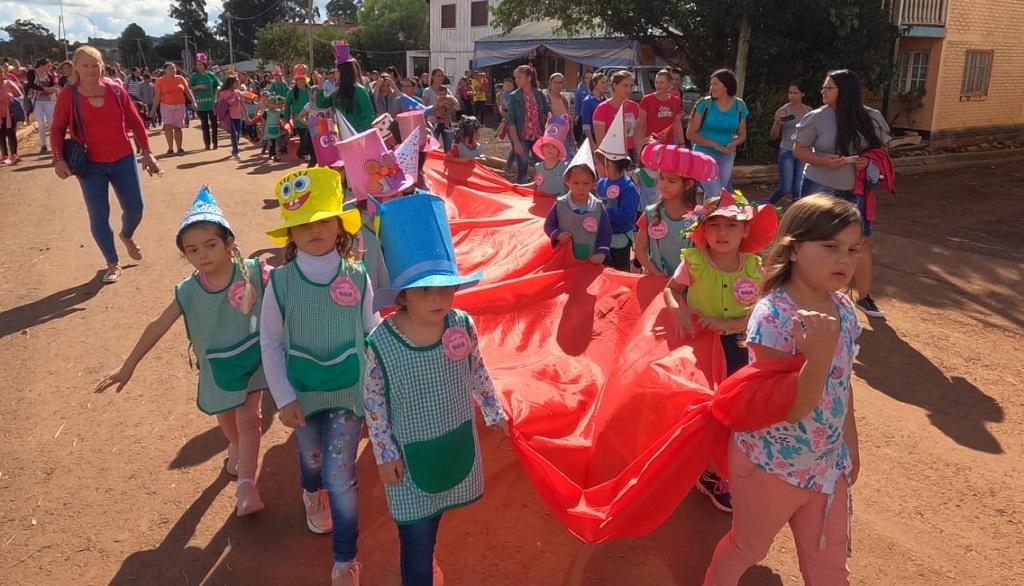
544,30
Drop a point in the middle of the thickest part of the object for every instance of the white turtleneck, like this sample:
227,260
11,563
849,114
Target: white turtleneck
321,270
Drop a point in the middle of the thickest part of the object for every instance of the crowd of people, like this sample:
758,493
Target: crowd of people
637,186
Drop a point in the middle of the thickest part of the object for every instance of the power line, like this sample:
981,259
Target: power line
228,15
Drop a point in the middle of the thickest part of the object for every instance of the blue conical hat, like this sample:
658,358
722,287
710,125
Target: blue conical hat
417,244
204,209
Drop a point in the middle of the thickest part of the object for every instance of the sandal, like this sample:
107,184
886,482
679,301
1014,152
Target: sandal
134,250
112,275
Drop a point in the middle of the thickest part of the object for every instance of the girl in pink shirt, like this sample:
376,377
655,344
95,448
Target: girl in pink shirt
232,97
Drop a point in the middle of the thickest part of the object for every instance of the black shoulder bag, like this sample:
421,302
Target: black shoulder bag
74,149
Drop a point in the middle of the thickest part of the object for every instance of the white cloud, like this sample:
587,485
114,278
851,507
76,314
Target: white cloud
110,17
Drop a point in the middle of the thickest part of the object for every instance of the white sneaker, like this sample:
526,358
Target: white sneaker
346,574
231,466
318,512
248,499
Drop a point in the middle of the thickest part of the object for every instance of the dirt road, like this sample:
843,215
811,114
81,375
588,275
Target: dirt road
128,489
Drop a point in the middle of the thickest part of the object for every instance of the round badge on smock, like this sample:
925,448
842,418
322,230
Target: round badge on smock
745,290
344,292
456,343
657,230
590,224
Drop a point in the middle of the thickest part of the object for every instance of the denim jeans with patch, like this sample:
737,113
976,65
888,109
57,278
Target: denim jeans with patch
327,459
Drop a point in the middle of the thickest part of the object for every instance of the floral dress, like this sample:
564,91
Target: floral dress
810,454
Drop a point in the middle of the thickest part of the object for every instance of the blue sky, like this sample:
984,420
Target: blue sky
110,16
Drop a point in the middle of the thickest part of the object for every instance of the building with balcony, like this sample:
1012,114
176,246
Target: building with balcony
960,70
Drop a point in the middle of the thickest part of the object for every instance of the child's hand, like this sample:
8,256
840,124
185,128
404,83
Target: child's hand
119,377
564,236
815,335
715,324
503,426
391,472
597,258
684,321
292,415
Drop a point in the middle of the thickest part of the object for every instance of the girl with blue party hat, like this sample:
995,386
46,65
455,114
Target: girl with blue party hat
316,312
423,369
220,302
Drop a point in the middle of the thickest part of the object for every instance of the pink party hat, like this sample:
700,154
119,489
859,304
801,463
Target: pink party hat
407,121
370,168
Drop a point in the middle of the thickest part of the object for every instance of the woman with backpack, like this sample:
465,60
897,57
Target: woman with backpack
717,127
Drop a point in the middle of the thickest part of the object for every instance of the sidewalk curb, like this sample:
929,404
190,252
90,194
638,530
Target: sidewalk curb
904,166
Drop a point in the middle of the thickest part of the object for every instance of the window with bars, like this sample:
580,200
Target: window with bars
447,16
911,71
977,71
478,13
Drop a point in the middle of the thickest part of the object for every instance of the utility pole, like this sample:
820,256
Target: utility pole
309,30
741,54
142,54
231,41
62,32
185,56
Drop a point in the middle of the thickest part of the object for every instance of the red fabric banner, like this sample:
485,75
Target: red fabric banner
611,411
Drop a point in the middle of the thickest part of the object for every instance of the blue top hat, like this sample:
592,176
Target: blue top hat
417,245
204,209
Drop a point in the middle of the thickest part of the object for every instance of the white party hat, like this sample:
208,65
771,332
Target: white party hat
408,154
613,146
582,157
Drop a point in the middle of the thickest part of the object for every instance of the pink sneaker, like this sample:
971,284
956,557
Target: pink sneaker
14,159
318,512
247,498
346,574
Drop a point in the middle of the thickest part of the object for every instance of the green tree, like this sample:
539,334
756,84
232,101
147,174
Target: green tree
30,41
344,10
789,40
280,43
193,21
136,48
323,47
249,16
387,26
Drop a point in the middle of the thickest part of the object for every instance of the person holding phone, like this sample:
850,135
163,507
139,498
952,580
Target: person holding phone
832,140
791,169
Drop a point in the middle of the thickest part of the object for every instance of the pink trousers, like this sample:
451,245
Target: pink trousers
761,505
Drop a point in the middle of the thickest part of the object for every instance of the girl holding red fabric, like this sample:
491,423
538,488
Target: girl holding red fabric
719,278
801,468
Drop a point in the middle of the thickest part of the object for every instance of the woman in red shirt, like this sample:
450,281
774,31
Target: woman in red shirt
604,114
101,121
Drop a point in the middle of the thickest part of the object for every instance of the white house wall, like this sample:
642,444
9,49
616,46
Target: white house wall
454,46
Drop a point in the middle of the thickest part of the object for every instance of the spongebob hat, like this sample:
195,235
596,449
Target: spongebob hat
308,196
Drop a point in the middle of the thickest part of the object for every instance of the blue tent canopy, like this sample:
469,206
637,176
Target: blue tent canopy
598,49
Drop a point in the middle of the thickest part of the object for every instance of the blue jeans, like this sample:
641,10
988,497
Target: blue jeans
791,177
417,551
713,188
236,131
523,160
443,134
811,187
124,176
327,459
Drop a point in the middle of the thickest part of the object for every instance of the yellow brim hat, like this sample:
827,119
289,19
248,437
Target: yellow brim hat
308,196
350,222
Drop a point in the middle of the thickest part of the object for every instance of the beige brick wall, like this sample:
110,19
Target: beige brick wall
983,25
